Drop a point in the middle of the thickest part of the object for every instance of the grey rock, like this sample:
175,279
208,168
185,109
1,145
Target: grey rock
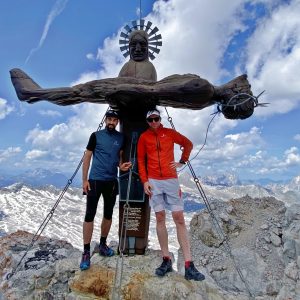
259,250
224,217
289,249
292,271
275,239
264,226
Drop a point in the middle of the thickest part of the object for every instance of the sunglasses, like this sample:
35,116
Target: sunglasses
156,119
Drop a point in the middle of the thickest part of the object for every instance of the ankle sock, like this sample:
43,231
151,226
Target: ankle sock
103,240
166,258
187,264
87,247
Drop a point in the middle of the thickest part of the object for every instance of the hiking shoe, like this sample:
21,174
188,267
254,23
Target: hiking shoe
104,250
191,273
164,268
85,260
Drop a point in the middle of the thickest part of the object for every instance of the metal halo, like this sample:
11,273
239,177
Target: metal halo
154,39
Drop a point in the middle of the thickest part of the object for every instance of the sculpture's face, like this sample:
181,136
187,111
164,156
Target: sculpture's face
138,48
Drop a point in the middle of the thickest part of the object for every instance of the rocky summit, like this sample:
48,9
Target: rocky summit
248,248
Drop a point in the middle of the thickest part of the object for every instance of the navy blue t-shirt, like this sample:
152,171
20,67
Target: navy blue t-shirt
106,146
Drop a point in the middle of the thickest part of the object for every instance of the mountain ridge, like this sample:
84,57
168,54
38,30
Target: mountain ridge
42,177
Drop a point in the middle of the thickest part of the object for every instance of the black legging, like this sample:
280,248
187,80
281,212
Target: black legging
109,191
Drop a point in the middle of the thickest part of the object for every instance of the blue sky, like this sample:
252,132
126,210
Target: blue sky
65,42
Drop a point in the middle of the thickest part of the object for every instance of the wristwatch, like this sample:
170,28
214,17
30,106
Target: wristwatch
182,162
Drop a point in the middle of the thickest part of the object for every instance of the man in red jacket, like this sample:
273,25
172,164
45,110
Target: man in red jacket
157,170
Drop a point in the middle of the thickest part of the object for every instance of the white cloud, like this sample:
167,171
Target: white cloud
85,77
50,113
264,164
35,154
90,56
8,153
235,146
68,140
194,124
292,157
228,153
273,58
5,109
297,137
195,36
56,10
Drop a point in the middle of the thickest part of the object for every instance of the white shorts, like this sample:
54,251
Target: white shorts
166,194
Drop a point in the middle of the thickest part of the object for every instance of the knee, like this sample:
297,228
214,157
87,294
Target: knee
108,216
160,217
107,213
89,217
108,209
178,218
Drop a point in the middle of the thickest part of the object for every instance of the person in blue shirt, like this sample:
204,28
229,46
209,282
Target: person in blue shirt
105,148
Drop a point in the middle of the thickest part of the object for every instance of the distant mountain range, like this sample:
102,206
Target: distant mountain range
226,188
38,178
41,177
220,186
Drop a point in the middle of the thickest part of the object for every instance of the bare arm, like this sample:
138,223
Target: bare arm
85,169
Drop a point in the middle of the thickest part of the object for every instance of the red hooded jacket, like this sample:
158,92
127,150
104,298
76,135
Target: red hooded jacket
156,152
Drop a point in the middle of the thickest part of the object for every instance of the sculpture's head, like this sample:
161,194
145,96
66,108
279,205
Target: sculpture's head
138,45
140,40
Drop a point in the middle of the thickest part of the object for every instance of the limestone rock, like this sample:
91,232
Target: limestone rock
265,250
44,271
50,270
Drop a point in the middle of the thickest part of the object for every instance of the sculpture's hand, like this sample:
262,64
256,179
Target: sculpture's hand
238,108
232,97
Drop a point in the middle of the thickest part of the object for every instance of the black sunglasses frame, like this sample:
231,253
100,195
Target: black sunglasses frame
155,119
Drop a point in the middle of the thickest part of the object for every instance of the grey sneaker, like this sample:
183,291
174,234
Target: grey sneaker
191,273
164,268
